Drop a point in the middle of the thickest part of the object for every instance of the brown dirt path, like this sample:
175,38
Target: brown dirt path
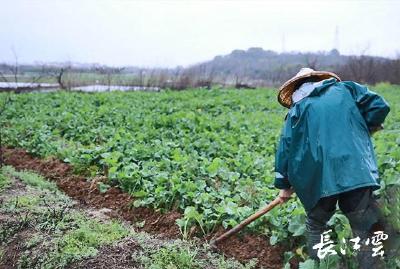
242,247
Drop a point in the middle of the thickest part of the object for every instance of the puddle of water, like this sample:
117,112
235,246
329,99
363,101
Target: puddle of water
13,85
105,88
48,87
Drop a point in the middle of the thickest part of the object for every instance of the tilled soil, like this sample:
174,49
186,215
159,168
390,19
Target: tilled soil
86,192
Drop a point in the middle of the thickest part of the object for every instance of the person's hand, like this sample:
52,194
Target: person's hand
285,195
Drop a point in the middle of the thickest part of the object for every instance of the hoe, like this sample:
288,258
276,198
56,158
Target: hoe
244,223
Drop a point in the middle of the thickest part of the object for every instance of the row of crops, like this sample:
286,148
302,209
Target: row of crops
209,154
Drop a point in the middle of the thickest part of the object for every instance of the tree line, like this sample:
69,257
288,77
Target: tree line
240,69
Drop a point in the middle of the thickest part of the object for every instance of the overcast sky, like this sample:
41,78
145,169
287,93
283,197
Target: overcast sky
169,33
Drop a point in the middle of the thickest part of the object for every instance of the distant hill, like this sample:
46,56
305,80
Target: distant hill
259,59
259,66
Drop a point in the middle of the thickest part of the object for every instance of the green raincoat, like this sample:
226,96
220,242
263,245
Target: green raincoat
325,147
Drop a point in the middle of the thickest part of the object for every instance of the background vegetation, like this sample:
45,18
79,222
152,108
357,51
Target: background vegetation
252,68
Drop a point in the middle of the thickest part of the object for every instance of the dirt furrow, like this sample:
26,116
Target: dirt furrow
242,247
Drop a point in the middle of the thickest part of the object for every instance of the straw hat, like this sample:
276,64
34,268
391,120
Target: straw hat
288,88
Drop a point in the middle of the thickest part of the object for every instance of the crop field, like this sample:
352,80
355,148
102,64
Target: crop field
206,154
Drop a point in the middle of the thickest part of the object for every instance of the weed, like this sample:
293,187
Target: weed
53,215
172,257
103,188
4,180
83,241
31,179
34,241
7,230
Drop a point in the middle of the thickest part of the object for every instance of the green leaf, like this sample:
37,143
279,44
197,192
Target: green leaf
191,213
231,208
214,166
103,188
140,194
308,264
297,226
273,239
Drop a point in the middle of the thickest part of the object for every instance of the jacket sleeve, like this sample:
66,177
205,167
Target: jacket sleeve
373,107
282,157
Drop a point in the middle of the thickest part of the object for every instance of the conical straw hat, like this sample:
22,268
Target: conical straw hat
288,88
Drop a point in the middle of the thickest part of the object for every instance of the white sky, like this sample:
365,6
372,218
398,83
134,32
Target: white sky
169,33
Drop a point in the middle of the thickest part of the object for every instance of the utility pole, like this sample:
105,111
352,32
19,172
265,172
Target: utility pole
283,43
336,39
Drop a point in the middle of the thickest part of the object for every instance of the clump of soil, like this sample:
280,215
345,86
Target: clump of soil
241,247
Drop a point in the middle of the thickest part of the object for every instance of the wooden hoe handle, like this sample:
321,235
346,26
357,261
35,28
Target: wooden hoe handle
246,222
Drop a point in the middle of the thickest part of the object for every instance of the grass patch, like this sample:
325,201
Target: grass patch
83,241
4,180
8,230
62,235
23,202
1,254
92,233
35,240
171,257
178,254
48,211
31,179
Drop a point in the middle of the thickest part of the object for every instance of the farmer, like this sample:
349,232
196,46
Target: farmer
325,154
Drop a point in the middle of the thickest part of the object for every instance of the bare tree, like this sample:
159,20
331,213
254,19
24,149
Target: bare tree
12,69
185,79
15,68
60,78
3,66
359,68
203,75
311,61
45,71
56,72
108,72
59,73
141,77
151,78
162,79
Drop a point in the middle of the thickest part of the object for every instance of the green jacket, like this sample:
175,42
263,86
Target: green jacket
325,147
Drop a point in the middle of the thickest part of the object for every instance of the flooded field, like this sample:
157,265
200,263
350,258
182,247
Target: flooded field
49,87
